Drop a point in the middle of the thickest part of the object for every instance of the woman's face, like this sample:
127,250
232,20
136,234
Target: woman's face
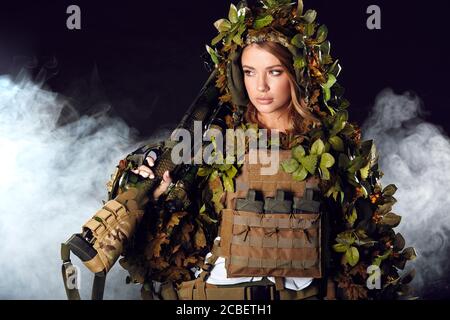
265,79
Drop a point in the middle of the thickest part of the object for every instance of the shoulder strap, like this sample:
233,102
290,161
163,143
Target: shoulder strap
70,277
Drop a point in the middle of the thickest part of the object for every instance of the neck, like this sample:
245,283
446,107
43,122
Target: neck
277,120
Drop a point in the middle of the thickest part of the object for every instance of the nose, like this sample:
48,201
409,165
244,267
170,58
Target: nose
262,84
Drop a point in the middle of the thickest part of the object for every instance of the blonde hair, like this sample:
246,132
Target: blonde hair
301,117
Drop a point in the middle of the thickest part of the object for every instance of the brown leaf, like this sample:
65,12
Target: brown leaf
175,219
179,256
177,274
175,249
200,239
155,246
190,260
359,269
159,264
185,232
314,97
355,292
225,98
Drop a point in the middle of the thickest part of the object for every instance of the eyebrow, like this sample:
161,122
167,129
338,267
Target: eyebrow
276,65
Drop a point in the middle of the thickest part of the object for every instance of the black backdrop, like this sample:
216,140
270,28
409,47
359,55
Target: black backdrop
143,57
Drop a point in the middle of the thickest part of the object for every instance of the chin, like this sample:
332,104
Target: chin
266,108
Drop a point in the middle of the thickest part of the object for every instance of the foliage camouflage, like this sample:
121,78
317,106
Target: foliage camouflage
168,244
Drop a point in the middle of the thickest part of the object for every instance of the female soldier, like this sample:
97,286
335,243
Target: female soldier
322,219
274,66
270,84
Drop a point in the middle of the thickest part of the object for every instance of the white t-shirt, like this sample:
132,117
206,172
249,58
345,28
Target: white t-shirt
218,276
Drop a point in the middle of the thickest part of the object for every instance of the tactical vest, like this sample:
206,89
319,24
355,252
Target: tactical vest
271,225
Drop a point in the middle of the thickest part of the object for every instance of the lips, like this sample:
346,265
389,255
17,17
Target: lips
265,100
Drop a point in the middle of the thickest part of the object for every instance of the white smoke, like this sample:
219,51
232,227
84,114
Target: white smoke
415,156
52,180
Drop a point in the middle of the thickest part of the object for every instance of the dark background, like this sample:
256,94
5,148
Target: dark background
143,58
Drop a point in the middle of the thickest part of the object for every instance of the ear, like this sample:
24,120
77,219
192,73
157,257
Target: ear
235,79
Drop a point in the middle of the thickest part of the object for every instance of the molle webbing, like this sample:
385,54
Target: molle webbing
251,178
275,244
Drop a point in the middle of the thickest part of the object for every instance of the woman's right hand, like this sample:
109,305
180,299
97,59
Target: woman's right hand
146,172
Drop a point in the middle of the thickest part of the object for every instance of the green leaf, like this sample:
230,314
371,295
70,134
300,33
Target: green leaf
365,171
318,147
214,175
366,147
224,167
223,25
389,190
344,104
217,195
298,152
399,242
229,39
263,22
203,172
299,62
297,41
241,14
322,33
346,238
352,256
228,183
213,55
352,217
300,174
326,59
335,69
377,261
205,217
364,190
336,143
338,126
391,219
237,39
233,14
299,8
241,30
231,172
343,161
290,165
409,253
339,247
326,161
330,81
325,173
325,48
310,162
310,16
356,164
326,94
385,208
309,30
217,39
